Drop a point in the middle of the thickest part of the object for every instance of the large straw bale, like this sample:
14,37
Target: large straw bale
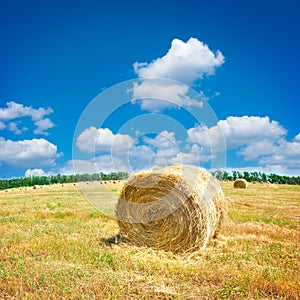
175,208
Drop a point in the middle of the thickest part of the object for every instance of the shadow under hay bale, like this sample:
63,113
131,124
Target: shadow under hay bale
176,208
116,239
240,184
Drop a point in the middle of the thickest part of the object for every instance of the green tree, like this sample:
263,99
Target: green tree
246,176
225,175
264,177
234,175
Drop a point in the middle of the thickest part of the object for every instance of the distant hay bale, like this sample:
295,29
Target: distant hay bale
240,184
176,208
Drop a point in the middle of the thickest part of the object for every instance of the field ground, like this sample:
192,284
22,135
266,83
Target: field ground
53,245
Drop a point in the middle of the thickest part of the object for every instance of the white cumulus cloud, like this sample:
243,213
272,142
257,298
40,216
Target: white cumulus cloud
162,141
35,172
253,138
257,149
166,150
15,110
297,138
102,163
78,166
285,154
28,153
104,140
245,130
135,155
237,131
184,62
192,157
155,95
140,157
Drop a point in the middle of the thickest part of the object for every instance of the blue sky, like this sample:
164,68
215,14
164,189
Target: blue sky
64,64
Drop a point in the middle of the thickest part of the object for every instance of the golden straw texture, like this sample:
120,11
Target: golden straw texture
240,184
175,208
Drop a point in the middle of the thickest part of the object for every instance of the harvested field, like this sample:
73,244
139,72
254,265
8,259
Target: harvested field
54,244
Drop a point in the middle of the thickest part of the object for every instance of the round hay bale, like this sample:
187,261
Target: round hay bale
240,184
175,208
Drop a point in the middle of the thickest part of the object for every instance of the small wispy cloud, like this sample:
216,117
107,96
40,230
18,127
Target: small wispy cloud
2,125
42,126
15,111
13,127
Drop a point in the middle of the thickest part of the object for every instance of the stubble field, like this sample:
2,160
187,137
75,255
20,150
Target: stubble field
55,245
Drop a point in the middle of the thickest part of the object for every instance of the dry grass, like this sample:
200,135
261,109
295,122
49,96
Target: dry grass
52,246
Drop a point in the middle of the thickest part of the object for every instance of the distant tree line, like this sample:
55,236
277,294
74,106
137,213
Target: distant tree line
53,179
256,176
219,174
